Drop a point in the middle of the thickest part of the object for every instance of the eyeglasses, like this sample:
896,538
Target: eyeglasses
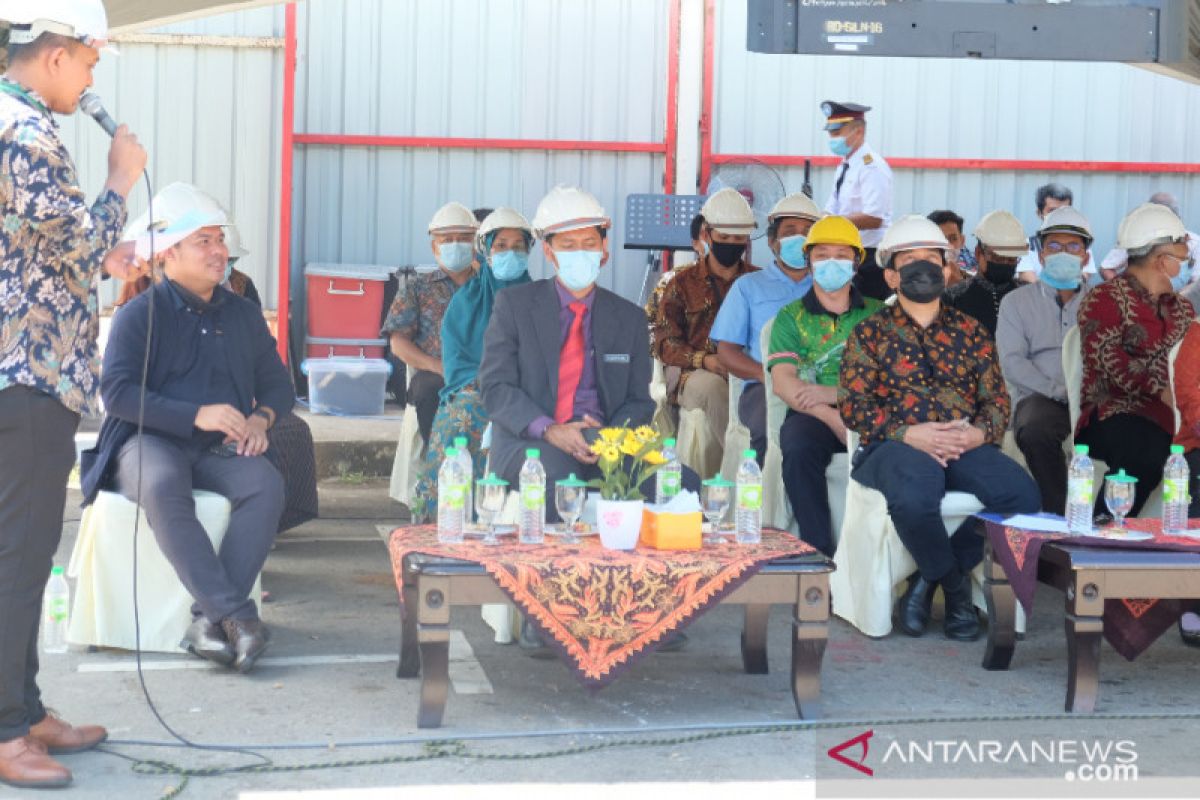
1074,248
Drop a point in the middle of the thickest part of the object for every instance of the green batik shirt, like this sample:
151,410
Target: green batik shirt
812,339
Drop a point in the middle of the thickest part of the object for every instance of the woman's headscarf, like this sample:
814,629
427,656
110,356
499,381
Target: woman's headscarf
467,317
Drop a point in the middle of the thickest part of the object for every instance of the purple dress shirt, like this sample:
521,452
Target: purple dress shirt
587,396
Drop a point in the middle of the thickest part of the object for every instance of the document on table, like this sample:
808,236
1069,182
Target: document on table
1035,522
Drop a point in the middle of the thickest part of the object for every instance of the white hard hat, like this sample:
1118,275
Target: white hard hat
233,242
727,211
568,208
175,200
84,20
1067,219
1147,225
795,205
1001,232
453,218
502,218
910,232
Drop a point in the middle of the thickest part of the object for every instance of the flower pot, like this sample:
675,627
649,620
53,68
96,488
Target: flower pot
619,522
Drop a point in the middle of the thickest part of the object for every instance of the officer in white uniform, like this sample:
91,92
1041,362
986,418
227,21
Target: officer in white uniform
862,188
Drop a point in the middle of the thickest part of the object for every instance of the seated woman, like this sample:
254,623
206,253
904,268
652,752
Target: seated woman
503,242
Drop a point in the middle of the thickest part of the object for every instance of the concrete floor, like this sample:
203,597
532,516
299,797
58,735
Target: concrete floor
333,596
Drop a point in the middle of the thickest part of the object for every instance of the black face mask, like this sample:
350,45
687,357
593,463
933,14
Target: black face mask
727,254
1000,274
922,281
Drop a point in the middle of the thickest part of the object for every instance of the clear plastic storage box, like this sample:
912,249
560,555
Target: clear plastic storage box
351,386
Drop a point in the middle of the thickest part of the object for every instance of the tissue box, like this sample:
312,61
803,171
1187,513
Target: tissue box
671,531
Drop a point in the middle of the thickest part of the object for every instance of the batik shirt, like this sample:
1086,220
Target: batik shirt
51,248
896,374
416,313
812,339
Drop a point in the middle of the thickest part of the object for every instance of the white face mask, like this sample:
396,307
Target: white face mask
578,269
455,256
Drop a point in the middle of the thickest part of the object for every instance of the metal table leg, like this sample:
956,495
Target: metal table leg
433,636
811,632
1084,627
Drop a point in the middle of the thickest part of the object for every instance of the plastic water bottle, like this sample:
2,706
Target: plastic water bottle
532,521
57,610
452,498
1175,493
749,500
1080,499
464,458
669,476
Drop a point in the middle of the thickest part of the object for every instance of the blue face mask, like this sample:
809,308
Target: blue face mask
791,251
833,273
1183,278
1062,271
509,265
839,146
578,269
455,256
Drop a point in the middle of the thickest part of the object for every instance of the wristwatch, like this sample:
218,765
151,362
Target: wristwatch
698,359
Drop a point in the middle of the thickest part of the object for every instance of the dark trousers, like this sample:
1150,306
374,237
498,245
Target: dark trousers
914,485
1040,426
1130,442
752,411
559,465
423,395
808,445
868,278
37,451
1193,460
219,582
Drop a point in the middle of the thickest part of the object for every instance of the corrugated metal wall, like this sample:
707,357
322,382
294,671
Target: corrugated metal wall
209,115
930,108
528,69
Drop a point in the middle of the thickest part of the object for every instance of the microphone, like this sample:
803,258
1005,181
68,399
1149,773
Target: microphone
90,104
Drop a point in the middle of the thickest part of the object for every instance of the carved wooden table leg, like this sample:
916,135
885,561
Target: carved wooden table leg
410,658
1085,626
1002,614
433,635
754,639
808,643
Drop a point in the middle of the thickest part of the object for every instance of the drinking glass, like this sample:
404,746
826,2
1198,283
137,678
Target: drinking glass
715,498
569,498
1118,496
490,494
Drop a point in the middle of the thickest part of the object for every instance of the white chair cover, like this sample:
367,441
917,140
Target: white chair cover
410,450
737,435
102,566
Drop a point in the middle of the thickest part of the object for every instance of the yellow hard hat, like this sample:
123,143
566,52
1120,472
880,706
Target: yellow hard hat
835,230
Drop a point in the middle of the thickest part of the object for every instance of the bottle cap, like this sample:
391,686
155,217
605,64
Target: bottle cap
573,482
533,452
749,453
56,571
460,442
1121,477
669,443
451,452
1176,449
1082,449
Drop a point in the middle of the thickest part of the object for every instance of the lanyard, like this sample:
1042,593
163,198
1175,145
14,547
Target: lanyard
16,90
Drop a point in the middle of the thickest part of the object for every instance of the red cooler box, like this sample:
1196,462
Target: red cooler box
345,301
351,348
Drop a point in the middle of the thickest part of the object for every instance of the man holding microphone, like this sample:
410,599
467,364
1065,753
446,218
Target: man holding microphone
51,248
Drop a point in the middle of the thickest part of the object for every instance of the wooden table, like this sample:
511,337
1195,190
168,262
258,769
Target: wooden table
432,586
1087,576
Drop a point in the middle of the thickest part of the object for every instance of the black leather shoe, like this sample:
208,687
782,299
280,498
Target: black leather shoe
531,641
962,621
207,640
1189,629
912,609
249,638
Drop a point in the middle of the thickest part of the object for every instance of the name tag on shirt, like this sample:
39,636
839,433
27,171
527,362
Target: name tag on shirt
616,358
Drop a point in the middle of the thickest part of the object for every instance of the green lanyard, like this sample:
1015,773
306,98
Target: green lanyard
16,90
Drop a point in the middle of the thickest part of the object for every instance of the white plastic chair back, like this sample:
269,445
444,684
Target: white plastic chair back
1171,373
737,435
663,421
1072,363
410,450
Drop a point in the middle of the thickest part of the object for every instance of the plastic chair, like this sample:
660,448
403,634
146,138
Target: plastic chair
872,562
102,565
737,435
697,445
410,451
777,511
663,420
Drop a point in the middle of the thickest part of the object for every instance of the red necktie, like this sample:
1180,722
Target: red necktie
570,366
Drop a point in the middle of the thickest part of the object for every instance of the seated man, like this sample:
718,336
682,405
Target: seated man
807,341
755,299
214,387
1127,327
414,322
562,355
962,262
999,244
689,304
1033,321
921,385
1117,259
1048,198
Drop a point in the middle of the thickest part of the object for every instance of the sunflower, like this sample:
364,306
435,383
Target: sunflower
612,435
654,458
631,446
607,452
645,434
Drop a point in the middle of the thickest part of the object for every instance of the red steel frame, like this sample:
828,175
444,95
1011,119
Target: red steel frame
291,139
